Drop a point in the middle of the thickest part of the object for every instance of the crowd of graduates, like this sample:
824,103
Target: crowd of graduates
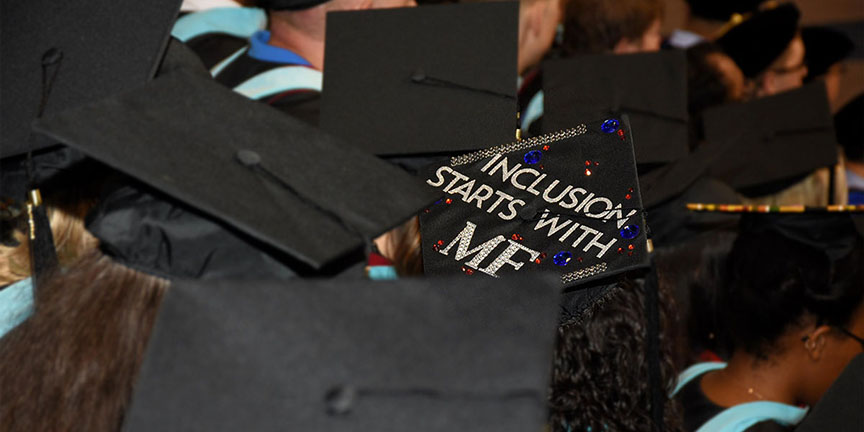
286,214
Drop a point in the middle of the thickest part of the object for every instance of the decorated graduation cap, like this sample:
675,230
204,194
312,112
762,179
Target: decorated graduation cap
758,41
270,177
722,10
566,202
413,354
396,84
650,87
824,47
772,139
61,55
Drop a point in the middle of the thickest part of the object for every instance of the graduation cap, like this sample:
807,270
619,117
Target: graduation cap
650,87
824,47
722,10
61,55
566,202
397,84
772,139
759,40
412,354
840,407
849,125
269,176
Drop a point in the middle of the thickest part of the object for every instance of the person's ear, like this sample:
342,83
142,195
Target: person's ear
815,341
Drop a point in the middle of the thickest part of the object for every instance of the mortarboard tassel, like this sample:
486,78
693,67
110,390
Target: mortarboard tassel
43,256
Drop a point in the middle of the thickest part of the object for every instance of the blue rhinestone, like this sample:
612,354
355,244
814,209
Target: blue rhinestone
532,157
609,126
562,258
630,231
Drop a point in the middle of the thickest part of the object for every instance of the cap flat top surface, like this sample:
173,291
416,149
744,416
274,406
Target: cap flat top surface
569,206
773,138
421,354
371,56
310,195
106,46
651,88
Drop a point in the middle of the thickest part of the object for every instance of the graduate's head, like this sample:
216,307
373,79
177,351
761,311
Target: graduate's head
538,24
617,26
793,295
598,376
768,48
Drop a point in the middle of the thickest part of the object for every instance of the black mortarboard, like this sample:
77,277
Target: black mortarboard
269,176
824,47
756,42
651,88
772,139
840,407
413,354
396,83
566,203
722,10
90,50
849,125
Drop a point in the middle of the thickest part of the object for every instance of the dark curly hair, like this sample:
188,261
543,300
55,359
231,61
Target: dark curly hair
596,26
772,283
599,378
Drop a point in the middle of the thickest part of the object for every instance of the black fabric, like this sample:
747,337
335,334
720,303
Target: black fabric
407,355
595,227
774,138
396,84
758,41
839,409
722,10
106,47
671,223
849,126
698,409
651,88
303,104
288,4
835,235
215,47
307,194
824,47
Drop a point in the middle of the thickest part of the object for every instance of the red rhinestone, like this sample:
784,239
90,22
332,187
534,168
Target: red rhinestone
587,172
515,236
545,148
541,167
469,272
537,261
427,210
630,190
620,250
596,163
436,247
630,247
627,196
542,255
448,201
579,259
440,242
587,163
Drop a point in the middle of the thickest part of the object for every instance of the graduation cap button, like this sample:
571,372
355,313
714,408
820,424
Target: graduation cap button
51,56
340,400
248,157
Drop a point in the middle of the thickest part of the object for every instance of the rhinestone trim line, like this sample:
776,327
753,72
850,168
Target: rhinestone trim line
518,145
582,274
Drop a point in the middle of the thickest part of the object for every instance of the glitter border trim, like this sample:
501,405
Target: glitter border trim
518,145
